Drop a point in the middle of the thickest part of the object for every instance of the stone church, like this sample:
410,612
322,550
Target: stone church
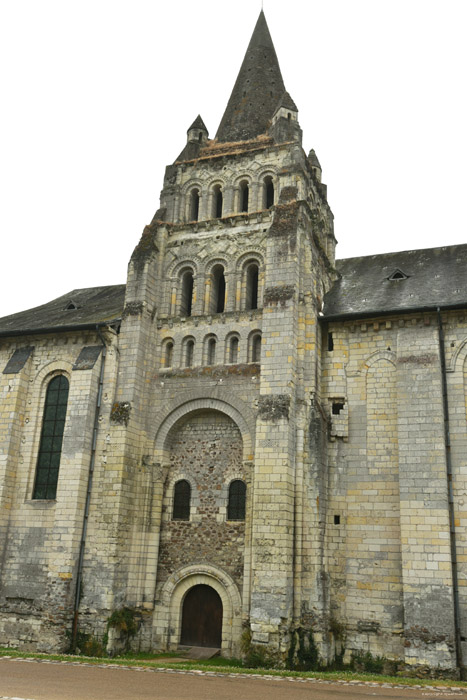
249,437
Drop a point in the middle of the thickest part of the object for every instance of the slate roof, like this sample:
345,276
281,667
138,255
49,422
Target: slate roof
257,90
198,124
313,158
287,103
95,306
435,277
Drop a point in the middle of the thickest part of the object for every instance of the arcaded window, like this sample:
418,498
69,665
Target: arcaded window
211,351
50,447
252,276
233,350
182,497
255,347
186,297
194,205
244,195
217,202
268,196
237,500
188,352
167,353
217,289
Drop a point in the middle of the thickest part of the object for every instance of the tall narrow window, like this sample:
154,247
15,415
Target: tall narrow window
233,350
194,205
244,195
252,287
237,500
189,352
50,448
217,202
211,352
168,353
217,290
182,497
186,293
268,192
255,347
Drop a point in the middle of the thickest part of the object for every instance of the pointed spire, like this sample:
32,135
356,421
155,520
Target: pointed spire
313,158
198,124
257,90
287,103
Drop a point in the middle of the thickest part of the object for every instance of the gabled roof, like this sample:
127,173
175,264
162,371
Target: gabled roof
432,277
257,90
95,306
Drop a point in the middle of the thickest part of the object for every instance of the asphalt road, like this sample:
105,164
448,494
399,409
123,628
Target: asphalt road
32,680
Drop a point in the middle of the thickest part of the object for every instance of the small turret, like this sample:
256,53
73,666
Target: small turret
315,164
284,123
197,136
197,131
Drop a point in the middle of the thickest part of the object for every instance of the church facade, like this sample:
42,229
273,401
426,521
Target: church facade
249,438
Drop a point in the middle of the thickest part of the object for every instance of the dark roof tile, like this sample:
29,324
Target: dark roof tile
436,277
95,306
257,90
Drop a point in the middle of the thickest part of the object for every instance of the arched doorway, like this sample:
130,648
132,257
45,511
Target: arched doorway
202,618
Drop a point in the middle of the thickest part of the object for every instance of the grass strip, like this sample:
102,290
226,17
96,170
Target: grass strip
163,661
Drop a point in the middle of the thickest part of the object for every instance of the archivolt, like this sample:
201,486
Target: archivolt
224,404
458,356
376,357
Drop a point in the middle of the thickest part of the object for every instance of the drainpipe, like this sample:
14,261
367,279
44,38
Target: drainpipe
452,527
74,633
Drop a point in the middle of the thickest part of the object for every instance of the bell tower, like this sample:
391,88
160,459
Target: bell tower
223,297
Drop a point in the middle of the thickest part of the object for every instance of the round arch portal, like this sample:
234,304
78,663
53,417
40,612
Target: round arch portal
202,618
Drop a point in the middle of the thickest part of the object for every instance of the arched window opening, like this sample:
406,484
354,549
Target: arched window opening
218,290
217,202
194,205
237,500
50,447
233,350
244,196
268,192
182,497
200,136
255,348
168,353
211,352
187,293
189,352
252,276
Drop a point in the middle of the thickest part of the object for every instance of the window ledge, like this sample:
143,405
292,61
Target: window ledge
41,503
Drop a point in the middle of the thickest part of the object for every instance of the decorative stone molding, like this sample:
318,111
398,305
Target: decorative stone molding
278,295
120,414
273,408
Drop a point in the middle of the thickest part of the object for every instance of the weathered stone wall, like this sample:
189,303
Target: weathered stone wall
388,539
206,450
40,538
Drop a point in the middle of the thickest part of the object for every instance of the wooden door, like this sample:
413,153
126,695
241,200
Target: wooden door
202,618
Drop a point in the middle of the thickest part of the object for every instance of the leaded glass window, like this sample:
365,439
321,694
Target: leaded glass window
50,448
237,499
182,496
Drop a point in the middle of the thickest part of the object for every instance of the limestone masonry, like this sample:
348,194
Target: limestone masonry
249,438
